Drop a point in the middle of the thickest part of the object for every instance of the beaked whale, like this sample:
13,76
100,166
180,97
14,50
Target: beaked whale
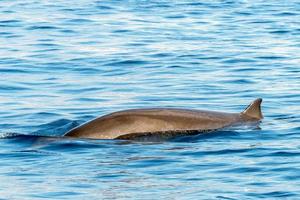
135,123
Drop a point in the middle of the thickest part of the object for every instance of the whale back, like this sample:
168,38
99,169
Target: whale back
166,121
153,120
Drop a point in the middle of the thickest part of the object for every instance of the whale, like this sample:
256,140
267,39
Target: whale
163,122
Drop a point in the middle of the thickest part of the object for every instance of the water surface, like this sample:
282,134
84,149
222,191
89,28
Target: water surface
63,63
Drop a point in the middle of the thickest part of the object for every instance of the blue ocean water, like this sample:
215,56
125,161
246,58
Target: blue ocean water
63,63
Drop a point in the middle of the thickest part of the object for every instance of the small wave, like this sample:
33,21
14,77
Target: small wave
68,144
285,154
35,143
22,137
10,23
9,135
78,21
55,128
127,62
276,194
42,27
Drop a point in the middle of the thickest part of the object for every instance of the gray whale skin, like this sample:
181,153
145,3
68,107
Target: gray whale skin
135,123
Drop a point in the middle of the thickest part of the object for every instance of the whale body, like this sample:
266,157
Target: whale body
135,123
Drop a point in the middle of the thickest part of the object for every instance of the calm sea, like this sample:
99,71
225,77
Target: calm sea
63,63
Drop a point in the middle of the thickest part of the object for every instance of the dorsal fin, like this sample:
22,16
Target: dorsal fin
254,109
